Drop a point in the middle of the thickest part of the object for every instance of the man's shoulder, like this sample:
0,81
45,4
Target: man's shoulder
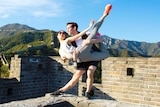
84,36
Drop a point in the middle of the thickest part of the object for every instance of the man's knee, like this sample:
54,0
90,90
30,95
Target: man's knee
79,73
92,68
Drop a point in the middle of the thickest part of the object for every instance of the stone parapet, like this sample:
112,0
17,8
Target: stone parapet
68,100
128,80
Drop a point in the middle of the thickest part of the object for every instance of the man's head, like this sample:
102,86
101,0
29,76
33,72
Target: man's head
72,28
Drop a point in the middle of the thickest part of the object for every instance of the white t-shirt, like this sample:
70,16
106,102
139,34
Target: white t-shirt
79,41
66,50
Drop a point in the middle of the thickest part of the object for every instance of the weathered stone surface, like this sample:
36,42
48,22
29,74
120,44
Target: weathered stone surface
129,80
68,100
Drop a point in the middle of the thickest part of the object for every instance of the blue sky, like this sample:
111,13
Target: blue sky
135,20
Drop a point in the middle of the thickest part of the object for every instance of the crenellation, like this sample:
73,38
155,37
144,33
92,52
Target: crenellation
131,80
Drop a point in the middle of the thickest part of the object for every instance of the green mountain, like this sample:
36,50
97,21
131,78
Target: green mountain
25,40
22,39
11,29
143,48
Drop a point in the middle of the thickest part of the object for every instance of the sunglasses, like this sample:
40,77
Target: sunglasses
61,32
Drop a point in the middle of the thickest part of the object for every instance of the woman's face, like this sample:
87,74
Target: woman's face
61,35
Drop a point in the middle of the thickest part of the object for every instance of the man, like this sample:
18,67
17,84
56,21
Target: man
82,67
90,67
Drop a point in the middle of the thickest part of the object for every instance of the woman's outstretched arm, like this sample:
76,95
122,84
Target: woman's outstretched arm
73,38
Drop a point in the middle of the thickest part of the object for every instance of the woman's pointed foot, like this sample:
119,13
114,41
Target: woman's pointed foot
107,9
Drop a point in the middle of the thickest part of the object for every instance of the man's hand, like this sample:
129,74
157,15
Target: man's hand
75,55
64,59
86,42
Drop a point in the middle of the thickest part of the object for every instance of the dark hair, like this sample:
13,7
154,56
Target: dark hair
74,24
62,31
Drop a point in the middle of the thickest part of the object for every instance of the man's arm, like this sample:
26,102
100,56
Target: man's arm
86,42
73,38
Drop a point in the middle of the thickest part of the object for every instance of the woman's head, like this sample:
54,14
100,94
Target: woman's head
61,35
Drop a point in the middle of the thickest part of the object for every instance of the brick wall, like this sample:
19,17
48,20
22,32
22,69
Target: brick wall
132,80
34,76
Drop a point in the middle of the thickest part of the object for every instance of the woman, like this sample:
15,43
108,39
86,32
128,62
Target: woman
77,74
83,53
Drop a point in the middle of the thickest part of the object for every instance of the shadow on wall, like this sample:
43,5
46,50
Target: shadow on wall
38,75
8,89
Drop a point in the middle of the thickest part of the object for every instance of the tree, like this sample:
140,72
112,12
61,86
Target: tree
4,71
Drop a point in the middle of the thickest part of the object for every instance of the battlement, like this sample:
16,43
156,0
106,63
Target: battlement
129,80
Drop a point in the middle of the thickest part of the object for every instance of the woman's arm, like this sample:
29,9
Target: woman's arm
73,38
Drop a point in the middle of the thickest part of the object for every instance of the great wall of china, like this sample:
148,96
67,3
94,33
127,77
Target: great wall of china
135,81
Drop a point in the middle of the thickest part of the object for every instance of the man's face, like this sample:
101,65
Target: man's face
71,29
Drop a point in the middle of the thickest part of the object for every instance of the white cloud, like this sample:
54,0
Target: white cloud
37,8
4,16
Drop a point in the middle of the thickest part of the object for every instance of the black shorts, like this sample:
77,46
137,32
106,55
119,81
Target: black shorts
85,65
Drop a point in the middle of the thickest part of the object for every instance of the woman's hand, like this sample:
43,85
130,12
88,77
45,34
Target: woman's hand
91,24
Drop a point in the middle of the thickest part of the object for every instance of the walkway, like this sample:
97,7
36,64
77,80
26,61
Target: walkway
67,100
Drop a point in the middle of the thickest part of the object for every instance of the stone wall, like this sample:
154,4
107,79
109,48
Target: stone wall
33,76
130,80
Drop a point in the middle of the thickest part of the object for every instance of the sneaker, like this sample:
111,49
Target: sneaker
58,92
108,8
87,94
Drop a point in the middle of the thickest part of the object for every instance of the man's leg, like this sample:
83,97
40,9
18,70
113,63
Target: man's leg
90,79
71,83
